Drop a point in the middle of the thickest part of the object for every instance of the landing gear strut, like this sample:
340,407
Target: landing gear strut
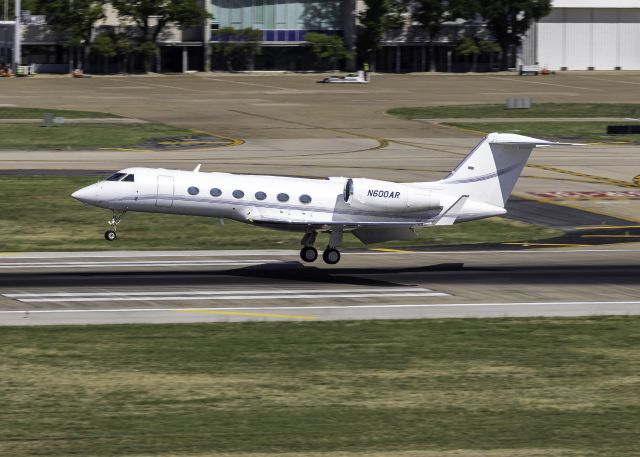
308,253
110,234
331,255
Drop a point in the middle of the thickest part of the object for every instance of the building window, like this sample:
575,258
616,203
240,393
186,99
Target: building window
283,197
238,194
260,195
304,198
193,190
215,192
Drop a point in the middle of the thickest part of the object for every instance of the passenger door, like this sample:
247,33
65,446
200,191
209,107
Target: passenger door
164,197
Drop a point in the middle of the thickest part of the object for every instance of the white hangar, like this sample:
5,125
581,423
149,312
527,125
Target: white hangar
586,35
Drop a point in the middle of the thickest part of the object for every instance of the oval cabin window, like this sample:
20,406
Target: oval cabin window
238,194
215,192
193,190
283,197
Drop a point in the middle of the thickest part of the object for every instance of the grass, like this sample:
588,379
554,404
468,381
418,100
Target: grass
38,214
509,387
538,110
73,136
37,113
574,131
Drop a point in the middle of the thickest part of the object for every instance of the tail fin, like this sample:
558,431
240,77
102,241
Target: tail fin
489,172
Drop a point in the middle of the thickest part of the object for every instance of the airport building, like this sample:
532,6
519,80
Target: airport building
586,35
284,24
577,35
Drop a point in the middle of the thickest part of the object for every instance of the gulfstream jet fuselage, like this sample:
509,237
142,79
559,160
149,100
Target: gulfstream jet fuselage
373,210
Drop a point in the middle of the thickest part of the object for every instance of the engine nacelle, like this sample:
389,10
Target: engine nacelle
385,196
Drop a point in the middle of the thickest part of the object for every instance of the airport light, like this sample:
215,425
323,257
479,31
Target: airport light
17,37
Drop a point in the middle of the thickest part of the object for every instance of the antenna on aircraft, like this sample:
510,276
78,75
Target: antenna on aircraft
197,168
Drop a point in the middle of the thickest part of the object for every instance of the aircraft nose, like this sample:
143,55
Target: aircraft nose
85,195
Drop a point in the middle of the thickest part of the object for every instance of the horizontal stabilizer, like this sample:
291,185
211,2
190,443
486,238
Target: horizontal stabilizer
514,139
451,214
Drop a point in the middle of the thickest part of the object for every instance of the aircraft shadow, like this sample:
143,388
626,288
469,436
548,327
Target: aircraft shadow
293,273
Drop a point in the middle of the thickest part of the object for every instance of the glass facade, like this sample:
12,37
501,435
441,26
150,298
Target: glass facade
280,20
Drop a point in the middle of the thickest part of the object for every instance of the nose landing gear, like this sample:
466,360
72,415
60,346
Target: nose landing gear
110,234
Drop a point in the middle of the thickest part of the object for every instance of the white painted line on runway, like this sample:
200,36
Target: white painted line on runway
232,297
224,295
151,254
214,292
278,308
267,253
504,251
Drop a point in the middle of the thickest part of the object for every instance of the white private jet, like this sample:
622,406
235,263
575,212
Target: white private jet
374,211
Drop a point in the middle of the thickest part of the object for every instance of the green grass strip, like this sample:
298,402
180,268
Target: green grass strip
509,387
38,214
37,113
537,110
75,136
574,131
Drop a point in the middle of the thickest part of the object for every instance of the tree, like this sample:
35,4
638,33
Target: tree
124,48
469,46
373,23
432,14
26,5
76,19
152,16
328,49
509,20
104,46
251,45
244,44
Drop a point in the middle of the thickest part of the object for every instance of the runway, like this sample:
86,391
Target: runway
234,286
347,133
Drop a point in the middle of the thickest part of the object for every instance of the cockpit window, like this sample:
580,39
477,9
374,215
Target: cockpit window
129,178
116,177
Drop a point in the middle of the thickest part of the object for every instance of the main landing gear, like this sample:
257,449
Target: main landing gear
110,234
331,255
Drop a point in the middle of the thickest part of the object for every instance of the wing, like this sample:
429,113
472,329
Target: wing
446,217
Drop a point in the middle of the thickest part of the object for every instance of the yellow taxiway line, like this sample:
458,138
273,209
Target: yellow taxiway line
609,236
607,227
602,179
549,244
233,141
125,149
